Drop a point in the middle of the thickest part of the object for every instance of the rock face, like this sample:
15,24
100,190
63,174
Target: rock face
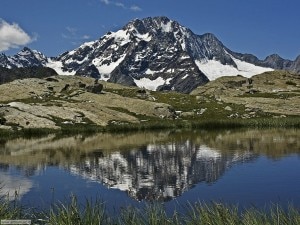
155,53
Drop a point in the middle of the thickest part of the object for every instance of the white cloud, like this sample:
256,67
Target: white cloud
13,36
135,8
107,2
121,5
85,37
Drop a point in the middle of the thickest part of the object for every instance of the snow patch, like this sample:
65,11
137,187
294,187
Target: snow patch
214,69
250,69
121,37
168,80
88,44
171,70
166,27
57,66
150,84
145,37
107,68
184,77
185,57
151,72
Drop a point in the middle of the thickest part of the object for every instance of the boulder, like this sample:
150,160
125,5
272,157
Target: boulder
228,108
95,88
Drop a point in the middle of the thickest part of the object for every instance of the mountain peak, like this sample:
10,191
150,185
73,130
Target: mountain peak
209,36
273,57
150,24
25,49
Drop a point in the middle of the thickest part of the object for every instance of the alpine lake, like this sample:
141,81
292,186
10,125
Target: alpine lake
176,168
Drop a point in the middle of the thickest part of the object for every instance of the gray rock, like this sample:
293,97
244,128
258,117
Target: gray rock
202,111
228,108
65,88
164,111
95,88
187,114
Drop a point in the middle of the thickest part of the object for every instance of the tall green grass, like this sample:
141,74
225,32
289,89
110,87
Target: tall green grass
155,214
72,213
95,213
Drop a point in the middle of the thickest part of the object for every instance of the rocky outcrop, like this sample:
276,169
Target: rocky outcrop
27,116
272,92
96,88
66,100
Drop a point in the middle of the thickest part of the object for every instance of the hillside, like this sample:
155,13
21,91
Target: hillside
73,102
275,92
68,100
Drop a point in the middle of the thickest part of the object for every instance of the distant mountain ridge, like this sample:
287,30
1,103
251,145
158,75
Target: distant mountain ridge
25,58
156,53
8,75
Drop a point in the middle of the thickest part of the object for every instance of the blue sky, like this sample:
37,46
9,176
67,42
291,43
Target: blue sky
260,27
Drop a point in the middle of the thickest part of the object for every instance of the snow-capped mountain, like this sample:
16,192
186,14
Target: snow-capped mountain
158,54
25,58
155,53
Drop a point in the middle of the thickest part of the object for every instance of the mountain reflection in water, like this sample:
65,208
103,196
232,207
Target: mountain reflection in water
158,172
150,165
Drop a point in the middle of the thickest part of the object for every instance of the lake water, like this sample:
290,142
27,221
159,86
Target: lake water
245,167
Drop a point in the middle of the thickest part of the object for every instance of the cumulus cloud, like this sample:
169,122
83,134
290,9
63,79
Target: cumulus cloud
13,36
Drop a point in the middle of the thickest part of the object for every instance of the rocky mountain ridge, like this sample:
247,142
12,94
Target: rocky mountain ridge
155,53
8,75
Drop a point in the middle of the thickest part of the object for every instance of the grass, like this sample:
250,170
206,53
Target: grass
280,95
95,212
210,124
157,124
